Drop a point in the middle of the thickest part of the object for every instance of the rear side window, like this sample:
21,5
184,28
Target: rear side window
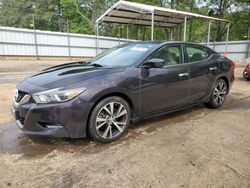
195,54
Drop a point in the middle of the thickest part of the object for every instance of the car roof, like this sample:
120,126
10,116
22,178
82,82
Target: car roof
166,42
161,43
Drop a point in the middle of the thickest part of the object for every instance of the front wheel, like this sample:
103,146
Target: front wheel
218,95
109,120
246,76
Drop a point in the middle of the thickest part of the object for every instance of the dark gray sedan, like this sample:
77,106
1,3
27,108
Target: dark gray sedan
124,84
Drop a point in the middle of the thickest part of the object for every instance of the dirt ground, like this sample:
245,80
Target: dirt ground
197,147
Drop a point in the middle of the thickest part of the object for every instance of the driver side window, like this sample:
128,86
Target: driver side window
170,54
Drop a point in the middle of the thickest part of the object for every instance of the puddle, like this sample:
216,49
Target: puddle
13,141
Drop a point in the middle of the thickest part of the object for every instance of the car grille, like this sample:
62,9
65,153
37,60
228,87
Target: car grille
19,95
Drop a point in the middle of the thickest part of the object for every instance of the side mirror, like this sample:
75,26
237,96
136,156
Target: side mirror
154,63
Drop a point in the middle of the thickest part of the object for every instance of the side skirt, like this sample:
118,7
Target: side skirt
138,119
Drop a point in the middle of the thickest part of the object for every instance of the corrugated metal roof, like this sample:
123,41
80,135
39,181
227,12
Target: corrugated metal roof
125,12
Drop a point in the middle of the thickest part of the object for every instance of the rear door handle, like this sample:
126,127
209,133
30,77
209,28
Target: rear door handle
183,74
212,68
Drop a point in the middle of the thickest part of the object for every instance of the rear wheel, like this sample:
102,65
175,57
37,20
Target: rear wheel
109,119
218,95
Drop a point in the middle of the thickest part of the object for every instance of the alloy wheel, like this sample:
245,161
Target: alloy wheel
219,93
111,120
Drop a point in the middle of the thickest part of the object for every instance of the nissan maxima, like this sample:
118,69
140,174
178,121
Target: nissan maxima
124,84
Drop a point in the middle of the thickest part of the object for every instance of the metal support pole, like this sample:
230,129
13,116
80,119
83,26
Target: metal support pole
227,37
248,50
69,50
152,26
97,38
171,34
185,28
208,34
35,38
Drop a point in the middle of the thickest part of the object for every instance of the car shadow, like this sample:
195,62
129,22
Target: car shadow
152,124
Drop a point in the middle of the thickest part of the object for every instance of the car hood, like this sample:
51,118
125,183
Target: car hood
65,75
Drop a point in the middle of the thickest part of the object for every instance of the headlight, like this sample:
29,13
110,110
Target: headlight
56,95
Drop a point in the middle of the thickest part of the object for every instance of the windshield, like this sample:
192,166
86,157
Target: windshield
121,56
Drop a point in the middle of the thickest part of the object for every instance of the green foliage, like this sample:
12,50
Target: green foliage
16,13
78,16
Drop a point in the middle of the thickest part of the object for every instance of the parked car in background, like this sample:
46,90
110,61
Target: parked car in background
246,72
124,84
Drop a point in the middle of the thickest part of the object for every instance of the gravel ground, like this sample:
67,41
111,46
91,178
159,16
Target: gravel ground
197,147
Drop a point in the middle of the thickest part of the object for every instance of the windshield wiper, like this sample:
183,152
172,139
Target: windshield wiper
95,64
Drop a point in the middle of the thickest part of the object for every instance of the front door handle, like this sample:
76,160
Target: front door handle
212,68
183,74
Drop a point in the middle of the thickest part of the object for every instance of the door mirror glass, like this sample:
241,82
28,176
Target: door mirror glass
154,63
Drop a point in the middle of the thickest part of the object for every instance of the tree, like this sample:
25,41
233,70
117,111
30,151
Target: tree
16,13
82,14
22,14
223,9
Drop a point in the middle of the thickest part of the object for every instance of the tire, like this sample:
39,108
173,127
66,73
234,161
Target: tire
246,76
107,125
218,94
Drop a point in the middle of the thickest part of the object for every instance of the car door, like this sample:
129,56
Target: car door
167,87
202,70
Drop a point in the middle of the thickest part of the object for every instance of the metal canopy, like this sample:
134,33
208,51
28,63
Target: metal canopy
124,12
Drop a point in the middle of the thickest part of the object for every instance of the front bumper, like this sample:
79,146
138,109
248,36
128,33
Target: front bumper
36,128
67,119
